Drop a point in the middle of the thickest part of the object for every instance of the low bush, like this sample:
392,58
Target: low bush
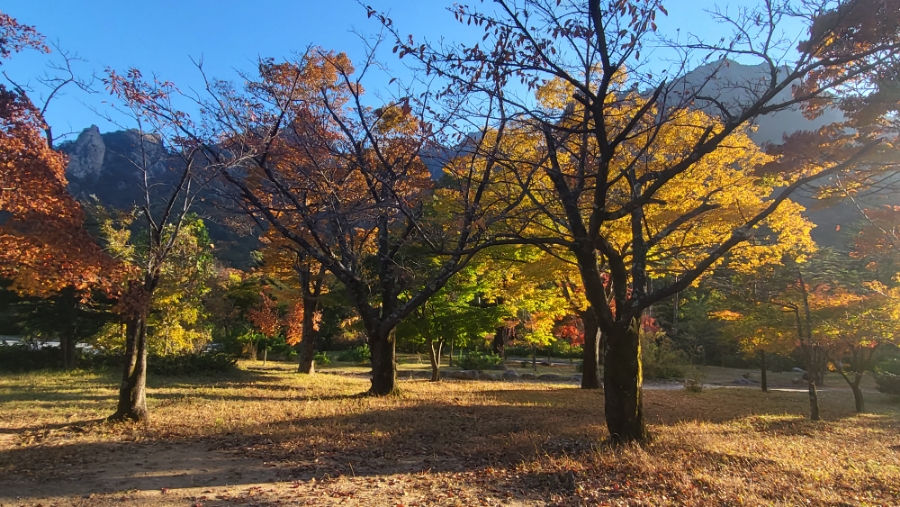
662,359
359,354
21,358
888,383
190,364
322,359
476,360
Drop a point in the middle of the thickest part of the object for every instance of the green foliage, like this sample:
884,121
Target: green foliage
23,358
178,317
475,360
661,358
322,359
889,360
888,383
190,364
562,348
359,354
20,358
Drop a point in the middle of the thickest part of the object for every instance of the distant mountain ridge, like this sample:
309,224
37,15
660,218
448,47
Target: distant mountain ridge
105,164
105,167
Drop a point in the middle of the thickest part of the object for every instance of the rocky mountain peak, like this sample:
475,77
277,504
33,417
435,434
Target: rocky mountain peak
86,154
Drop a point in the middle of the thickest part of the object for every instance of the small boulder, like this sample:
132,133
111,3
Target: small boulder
490,376
510,375
528,376
552,377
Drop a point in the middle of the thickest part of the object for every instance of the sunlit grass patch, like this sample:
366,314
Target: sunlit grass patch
526,442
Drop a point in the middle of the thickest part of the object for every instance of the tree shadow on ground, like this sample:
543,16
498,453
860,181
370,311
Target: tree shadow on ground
498,428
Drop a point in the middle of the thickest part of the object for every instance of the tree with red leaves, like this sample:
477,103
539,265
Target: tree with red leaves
45,249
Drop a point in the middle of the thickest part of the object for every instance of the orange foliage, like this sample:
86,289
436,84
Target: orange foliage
44,246
265,316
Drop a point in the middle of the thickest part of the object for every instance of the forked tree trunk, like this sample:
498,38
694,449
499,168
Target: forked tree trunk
623,381
763,380
434,354
854,385
590,370
384,364
309,337
813,399
132,404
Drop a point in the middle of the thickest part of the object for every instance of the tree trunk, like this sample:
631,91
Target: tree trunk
67,350
384,364
590,370
435,355
813,399
858,398
623,381
132,404
450,356
763,380
68,312
854,384
534,358
308,337
265,352
820,378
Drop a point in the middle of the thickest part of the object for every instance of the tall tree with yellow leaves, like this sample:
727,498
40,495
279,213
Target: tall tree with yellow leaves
608,151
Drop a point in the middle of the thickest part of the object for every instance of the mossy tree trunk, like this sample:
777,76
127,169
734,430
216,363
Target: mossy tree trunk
590,376
623,381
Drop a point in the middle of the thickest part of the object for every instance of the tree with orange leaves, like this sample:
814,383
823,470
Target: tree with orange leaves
305,279
347,183
44,247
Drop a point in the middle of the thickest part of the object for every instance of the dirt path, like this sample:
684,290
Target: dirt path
201,475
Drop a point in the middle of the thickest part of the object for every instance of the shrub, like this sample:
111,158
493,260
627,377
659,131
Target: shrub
888,383
476,360
359,354
321,359
661,359
21,358
190,364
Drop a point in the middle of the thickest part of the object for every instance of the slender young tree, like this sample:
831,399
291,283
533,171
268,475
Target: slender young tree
169,188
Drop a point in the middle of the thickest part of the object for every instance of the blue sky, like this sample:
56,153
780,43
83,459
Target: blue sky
229,35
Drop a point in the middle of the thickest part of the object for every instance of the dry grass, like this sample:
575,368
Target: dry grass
271,437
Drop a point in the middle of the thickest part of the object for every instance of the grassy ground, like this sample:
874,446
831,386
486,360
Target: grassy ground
270,437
